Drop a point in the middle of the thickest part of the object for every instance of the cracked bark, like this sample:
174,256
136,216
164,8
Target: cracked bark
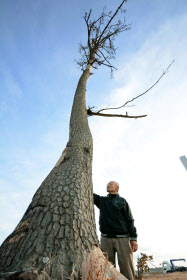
59,221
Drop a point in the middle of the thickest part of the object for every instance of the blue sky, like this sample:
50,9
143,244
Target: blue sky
38,47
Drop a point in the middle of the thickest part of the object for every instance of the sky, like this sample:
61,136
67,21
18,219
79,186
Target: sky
38,77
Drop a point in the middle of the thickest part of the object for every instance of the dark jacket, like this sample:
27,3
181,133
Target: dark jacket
115,216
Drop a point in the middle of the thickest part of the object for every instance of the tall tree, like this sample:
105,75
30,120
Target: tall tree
59,223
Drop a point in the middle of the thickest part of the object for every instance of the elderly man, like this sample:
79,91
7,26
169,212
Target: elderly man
118,233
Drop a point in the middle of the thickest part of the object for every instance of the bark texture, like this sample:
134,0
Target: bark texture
59,224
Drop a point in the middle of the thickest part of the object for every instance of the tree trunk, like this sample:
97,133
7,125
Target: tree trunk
59,224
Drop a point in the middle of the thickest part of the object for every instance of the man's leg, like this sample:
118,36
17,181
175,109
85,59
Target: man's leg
125,257
107,246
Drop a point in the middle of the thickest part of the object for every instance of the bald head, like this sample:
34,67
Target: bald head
112,187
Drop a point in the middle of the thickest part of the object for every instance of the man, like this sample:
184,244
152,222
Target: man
118,233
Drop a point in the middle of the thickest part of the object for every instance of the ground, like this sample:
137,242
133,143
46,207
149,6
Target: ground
168,276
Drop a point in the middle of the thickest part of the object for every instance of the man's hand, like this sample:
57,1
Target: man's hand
134,245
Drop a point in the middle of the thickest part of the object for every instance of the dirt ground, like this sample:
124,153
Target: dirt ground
168,276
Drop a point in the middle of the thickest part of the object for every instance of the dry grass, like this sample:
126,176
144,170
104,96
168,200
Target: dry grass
168,276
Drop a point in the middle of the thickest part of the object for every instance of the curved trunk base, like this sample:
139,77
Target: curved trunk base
96,267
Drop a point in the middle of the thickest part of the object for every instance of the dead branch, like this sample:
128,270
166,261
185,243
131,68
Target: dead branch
103,32
91,113
124,105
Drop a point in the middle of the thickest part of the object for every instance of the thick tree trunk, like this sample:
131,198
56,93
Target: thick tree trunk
59,224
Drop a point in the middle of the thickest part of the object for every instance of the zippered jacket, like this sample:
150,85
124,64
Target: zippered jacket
115,216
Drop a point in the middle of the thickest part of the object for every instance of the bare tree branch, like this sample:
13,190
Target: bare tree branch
91,113
106,58
111,19
124,105
86,20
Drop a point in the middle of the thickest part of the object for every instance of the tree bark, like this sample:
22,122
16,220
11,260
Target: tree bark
59,223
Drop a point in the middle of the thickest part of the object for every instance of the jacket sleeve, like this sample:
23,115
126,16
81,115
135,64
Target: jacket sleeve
130,222
97,200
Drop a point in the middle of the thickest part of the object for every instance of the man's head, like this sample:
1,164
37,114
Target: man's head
113,187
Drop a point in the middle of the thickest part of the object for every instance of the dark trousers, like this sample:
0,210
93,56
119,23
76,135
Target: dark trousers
122,247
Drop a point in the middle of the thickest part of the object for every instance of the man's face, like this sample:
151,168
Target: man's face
112,187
